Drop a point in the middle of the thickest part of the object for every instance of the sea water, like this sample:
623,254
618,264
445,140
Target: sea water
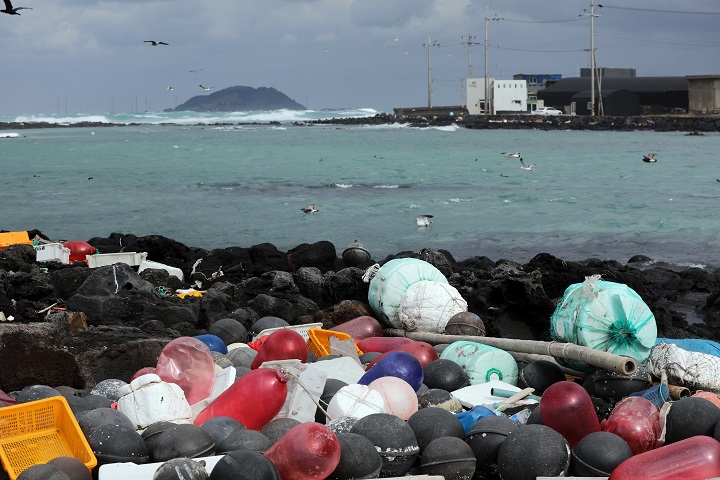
219,180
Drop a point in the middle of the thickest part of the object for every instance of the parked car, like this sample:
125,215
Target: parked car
547,111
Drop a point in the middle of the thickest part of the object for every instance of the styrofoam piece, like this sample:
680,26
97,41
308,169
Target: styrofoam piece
103,259
147,400
301,329
223,380
355,401
341,368
305,387
52,252
479,394
145,264
129,470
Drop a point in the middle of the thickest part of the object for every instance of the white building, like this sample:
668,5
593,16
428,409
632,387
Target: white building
504,96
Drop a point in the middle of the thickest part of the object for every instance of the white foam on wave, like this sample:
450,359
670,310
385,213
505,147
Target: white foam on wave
386,186
344,185
447,128
66,120
9,135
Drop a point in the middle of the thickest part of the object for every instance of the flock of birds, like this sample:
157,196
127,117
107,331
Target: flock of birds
156,43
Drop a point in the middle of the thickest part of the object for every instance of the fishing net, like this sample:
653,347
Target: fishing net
695,370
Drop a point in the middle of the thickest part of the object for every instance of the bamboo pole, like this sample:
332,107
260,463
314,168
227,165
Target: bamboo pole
570,351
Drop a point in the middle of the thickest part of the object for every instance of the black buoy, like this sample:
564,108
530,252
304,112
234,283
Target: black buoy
220,427
278,427
244,465
533,451
183,441
221,359
368,357
465,323
539,375
42,471
435,397
229,330
393,438
431,423
181,469
534,418
152,433
717,432
109,388
247,439
358,458
73,468
91,419
484,439
355,254
267,322
445,375
36,392
615,386
597,455
449,457
117,442
691,416
242,357
341,424
332,385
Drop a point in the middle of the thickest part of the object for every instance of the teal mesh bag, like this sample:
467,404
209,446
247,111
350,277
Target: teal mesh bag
606,316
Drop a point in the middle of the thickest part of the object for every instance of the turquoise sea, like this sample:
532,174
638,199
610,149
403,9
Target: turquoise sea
216,180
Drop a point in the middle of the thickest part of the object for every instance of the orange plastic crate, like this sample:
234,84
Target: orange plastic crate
14,238
319,341
36,432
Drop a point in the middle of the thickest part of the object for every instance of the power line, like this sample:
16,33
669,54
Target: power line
516,49
653,10
559,20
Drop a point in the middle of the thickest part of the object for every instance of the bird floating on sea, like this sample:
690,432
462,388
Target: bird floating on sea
649,158
155,43
310,209
423,220
525,166
511,155
206,89
624,176
10,10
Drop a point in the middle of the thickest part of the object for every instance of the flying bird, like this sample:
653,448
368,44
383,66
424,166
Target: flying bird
511,155
155,43
169,88
206,89
196,71
310,209
423,220
649,158
10,10
525,166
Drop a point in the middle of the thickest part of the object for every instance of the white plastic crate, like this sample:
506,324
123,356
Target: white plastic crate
102,259
52,252
145,264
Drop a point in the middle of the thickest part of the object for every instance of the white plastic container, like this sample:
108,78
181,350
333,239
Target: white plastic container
145,264
103,259
305,386
52,252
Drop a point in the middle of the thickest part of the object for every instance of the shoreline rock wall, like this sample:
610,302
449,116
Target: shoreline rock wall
111,321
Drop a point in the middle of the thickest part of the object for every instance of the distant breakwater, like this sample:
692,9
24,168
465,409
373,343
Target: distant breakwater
660,123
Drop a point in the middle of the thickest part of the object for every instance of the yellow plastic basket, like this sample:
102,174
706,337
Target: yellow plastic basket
319,341
14,238
36,432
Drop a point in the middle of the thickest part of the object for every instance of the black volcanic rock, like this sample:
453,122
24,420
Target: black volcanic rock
233,99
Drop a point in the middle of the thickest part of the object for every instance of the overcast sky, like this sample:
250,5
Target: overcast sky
88,55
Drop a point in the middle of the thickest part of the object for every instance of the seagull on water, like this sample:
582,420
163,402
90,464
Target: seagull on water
525,166
310,209
10,10
649,158
155,43
511,155
423,220
206,89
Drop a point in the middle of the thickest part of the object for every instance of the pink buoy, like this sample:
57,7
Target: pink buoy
360,327
253,400
382,344
400,398
637,421
188,362
143,371
424,352
283,344
307,451
566,407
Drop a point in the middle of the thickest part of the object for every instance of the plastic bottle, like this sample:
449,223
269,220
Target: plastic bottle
382,344
566,407
283,344
307,451
637,421
693,458
188,362
396,364
253,400
423,351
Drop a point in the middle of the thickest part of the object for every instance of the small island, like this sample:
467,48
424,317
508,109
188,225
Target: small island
239,98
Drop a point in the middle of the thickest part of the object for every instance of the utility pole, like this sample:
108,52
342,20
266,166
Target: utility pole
488,20
428,45
592,56
470,42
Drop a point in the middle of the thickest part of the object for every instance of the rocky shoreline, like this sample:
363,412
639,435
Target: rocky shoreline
692,124
75,326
